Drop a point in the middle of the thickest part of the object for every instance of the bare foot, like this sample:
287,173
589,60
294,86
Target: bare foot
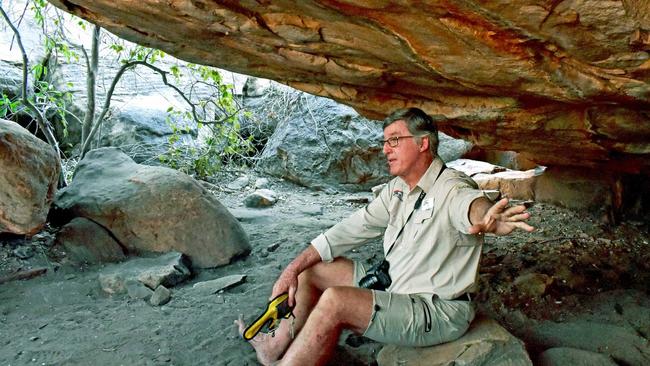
268,348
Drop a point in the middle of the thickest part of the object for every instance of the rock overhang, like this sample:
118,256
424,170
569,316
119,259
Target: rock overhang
563,83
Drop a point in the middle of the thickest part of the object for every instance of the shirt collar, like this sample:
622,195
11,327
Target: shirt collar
429,177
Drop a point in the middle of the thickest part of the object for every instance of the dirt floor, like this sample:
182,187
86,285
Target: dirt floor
568,267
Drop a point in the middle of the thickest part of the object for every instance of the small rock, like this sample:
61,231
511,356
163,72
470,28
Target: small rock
261,198
357,199
24,252
239,183
261,183
532,284
137,290
311,210
161,296
273,247
220,284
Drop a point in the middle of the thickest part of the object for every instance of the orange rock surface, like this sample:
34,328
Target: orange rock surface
562,82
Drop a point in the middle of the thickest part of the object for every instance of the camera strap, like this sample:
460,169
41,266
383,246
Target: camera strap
417,205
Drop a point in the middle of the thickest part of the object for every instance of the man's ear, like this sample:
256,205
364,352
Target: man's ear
424,144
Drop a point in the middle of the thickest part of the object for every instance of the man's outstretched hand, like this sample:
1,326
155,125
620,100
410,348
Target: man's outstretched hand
499,219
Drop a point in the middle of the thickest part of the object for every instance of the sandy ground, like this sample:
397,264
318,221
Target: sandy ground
63,317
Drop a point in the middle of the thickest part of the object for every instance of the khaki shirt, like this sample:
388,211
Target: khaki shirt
434,253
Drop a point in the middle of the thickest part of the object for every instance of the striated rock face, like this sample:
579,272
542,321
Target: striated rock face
564,82
29,171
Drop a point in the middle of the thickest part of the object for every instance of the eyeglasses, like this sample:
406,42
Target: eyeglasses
394,141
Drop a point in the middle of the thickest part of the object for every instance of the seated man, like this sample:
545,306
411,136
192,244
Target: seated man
432,219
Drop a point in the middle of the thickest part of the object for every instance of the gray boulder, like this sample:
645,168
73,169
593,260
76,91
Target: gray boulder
86,242
324,144
30,171
11,78
142,129
450,149
153,209
486,343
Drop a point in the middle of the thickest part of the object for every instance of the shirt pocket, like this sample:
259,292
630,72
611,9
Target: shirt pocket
421,216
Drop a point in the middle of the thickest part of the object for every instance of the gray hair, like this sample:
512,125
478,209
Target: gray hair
418,123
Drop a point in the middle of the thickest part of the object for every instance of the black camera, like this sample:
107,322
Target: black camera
377,277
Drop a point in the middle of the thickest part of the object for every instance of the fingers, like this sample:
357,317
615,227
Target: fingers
524,226
517,218
292,295
498,207
515,210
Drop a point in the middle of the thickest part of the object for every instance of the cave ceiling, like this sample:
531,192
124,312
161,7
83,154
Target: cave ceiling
561,82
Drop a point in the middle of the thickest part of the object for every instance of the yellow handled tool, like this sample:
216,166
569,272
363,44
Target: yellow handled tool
277,309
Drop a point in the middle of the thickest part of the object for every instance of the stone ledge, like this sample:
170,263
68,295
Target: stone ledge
486,343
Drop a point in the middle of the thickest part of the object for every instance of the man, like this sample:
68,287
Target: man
432,218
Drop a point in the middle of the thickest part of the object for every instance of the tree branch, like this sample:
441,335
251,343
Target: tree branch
163,74
43,124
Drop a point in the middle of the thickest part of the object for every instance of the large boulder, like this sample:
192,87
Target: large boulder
325,144
30,171
152,209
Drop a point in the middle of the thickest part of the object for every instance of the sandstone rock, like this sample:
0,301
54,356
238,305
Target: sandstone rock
87,242
153,209
561,356
486,343
473,167
511,183
168,270
30,171
566,84
576,189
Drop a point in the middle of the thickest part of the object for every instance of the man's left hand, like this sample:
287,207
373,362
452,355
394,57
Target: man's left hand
502,220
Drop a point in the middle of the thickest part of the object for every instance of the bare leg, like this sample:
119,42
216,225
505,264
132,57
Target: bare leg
311,284
338,308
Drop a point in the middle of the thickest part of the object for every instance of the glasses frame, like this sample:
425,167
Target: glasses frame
394,140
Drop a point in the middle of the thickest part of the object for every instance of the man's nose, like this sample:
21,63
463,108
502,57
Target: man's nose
387,148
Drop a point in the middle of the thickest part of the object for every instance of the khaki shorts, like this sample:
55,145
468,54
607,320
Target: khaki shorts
415,320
